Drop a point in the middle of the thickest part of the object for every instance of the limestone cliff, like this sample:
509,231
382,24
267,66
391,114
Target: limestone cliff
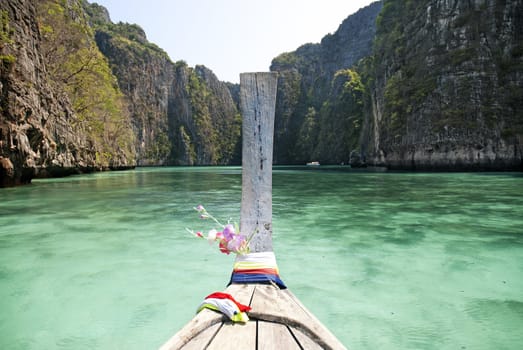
447,90
417,85
80,93
144,73
308,81
430,84
40,133
181,115
204,118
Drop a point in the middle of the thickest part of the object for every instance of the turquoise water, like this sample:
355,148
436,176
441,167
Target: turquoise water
384,260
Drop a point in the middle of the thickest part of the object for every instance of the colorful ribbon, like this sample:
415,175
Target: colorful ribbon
227,305
256,268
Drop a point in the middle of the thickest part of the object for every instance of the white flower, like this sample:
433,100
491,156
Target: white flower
211,236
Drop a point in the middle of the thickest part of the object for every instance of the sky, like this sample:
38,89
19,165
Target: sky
232,36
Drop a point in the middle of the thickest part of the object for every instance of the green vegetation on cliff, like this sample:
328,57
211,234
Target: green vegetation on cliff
142,71
5,39
180,115
206,137
408,85
439,65
5,31
328,128
440,88
341,118
77,66
321,95
447,87
208,131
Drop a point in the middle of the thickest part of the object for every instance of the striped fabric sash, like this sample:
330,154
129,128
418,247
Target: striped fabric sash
256,268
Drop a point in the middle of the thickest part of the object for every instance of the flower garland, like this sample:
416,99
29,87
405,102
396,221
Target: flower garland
229,238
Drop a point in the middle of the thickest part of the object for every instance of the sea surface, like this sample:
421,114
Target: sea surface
386,260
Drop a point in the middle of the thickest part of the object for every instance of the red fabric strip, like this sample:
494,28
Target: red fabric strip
220,295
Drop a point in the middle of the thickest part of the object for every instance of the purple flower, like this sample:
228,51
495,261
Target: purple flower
228,232
229,240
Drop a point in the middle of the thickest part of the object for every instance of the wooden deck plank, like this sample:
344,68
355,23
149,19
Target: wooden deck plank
275,336
204,338
267,299
272,304
203,320
241,292
304,341
234,336
323,331
269,303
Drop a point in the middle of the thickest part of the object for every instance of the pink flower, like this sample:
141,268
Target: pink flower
229,240
235,243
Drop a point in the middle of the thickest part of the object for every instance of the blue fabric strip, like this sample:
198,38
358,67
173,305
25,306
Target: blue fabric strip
256,278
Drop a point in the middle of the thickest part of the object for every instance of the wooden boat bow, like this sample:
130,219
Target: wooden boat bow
277,320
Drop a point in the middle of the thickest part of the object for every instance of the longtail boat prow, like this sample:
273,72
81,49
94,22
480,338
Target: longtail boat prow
276,318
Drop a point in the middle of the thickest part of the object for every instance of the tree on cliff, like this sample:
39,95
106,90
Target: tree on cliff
78,67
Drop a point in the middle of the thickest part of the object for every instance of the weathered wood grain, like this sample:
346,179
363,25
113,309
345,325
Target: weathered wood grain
201,322
257,103
281,306
235,336
283,323
326,336
203,339
275,336
304,341
241,292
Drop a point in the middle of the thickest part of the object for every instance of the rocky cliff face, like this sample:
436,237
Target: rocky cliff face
204,118
431,84
63,114
181,115
39,132
448,90
306,85
145,74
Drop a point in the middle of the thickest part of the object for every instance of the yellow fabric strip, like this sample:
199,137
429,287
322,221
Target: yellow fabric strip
248,265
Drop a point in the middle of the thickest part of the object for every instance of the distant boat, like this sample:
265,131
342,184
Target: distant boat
313,163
